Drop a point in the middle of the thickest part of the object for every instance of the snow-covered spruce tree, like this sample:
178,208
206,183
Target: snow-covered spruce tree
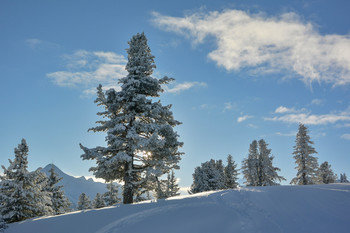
84,202
111,196
209,176
231,173
307,164
22,194
325,174
343,178
267,173
250,165
140,138
60,203
172,186
98,201
3,224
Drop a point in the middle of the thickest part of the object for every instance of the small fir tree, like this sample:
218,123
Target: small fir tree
140,136
111,196
325,174
307,164
267,173
343,178
231,173
98,201
172,186
3,224
250,165
209,176
84,202
22,194
60,203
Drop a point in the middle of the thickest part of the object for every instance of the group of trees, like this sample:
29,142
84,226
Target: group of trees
25,194
213,175
258,170
109,198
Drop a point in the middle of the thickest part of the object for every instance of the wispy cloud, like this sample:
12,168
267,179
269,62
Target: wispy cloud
85,70
35,43
271,44
243,118
291,134
177,88
317,102
346,136
312,119
227,106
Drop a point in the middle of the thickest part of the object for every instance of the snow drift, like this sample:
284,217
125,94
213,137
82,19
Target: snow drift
294,209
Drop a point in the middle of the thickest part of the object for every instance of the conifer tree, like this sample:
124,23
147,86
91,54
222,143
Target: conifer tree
111,196
60,203
325,174
172,186
22,194
250,165
231,173
84,202
307,164
140,138
209,176
3,224
98,201
267,173
343,178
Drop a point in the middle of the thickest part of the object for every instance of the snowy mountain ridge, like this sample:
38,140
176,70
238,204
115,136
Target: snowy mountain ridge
73,186
287,209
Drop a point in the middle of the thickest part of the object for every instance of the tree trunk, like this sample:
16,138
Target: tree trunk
128,191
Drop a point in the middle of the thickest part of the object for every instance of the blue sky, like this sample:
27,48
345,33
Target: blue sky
244,70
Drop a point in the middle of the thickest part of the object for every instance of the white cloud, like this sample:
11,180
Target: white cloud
243,118
86,70
272,44
228,106
312,119
282,109
183,87
317,102
346,136
291,134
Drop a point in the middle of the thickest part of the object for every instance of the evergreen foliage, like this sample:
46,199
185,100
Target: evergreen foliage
231,173
250,165
343,178
167,188
111,196
22,193
60,203
307,164
84,202
141,142
212,175
258,169
3,224
98,201
325,174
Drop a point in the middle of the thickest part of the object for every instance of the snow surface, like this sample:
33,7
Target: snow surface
294,209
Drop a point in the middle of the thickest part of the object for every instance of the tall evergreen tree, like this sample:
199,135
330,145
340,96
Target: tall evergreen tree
267,173
231,173
60,203
140,138
84,202
307,164
22,194
250,165
98,201
111,196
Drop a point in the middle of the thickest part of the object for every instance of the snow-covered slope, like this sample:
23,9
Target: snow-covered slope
73,187
294,209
